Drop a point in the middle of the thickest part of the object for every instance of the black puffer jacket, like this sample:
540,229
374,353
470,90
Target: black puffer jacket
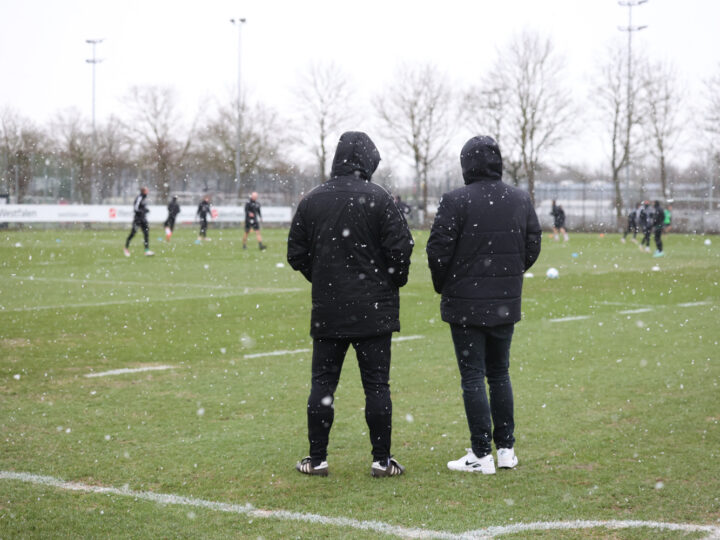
485,236
350,241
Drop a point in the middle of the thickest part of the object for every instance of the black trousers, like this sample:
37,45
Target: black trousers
373,356
658,238
170,223
646,236
143,224
203,227
485,352
631,228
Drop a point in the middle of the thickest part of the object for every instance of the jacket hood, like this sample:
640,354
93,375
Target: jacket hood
480,159
355,152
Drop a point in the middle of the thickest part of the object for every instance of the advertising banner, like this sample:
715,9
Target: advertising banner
96,213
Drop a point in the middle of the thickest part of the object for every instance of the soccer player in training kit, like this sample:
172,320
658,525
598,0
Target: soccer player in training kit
173,211
252,220
349,239
558,215
485,236
658,226
140,220
632,225
647,219
203,213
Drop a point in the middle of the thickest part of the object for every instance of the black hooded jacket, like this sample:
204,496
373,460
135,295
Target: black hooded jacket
350,241
485,236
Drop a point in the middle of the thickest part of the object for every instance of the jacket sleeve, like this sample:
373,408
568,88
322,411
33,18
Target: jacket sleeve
442,242
533,236
397,243
298,252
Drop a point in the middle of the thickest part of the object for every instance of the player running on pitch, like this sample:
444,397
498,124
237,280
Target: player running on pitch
140,220
204,212
253,215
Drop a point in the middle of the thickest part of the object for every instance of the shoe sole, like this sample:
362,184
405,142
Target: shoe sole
383,474
315,472
471,469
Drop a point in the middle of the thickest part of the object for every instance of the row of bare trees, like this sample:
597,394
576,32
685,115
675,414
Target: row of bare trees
524,101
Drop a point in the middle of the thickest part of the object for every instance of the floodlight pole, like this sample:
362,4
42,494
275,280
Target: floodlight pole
629,29
238,139
94,61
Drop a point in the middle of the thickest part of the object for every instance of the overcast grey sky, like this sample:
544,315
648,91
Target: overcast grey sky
193,45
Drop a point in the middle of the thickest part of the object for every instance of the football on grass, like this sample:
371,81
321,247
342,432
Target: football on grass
552,273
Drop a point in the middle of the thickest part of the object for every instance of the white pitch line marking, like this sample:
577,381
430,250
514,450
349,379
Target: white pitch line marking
123,371
491,532
631,311
146,299
144,283
575,318
713,532
693,304
297,351
275,353
406,338
245,509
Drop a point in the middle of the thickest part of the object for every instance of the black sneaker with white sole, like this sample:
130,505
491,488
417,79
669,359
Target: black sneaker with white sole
305,466
390,468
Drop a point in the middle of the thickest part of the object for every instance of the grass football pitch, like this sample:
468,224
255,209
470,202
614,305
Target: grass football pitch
615,370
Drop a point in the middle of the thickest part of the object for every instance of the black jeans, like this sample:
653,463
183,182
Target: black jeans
658,238
145,229
485,352
373,355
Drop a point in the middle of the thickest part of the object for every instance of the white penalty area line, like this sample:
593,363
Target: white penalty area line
89,281
693,304
147,300
247,509
275,353
123,371
298,351
575,318
630,311
406,338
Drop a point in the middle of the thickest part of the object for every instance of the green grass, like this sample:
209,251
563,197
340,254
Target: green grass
617,414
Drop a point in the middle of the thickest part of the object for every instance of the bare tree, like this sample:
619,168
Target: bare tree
155,118
20,142
324,94
112,155
617,115
661,99
711,126
415,112
261,139
486,110
74,140
539,109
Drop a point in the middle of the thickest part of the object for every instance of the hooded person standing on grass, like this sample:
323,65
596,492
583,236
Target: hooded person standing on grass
349,240
485,236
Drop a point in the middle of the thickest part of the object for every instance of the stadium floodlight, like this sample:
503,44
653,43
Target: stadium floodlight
630,29
238,141
94,60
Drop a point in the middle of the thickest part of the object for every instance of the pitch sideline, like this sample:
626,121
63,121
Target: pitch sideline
713,532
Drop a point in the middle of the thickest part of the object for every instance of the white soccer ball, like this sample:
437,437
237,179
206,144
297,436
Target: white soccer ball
707,242
552,273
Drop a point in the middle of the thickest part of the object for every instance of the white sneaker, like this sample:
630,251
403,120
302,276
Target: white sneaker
472,463
126,251
149,253
507,458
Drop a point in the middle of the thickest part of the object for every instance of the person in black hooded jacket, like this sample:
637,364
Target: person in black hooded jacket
349,239
484,237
